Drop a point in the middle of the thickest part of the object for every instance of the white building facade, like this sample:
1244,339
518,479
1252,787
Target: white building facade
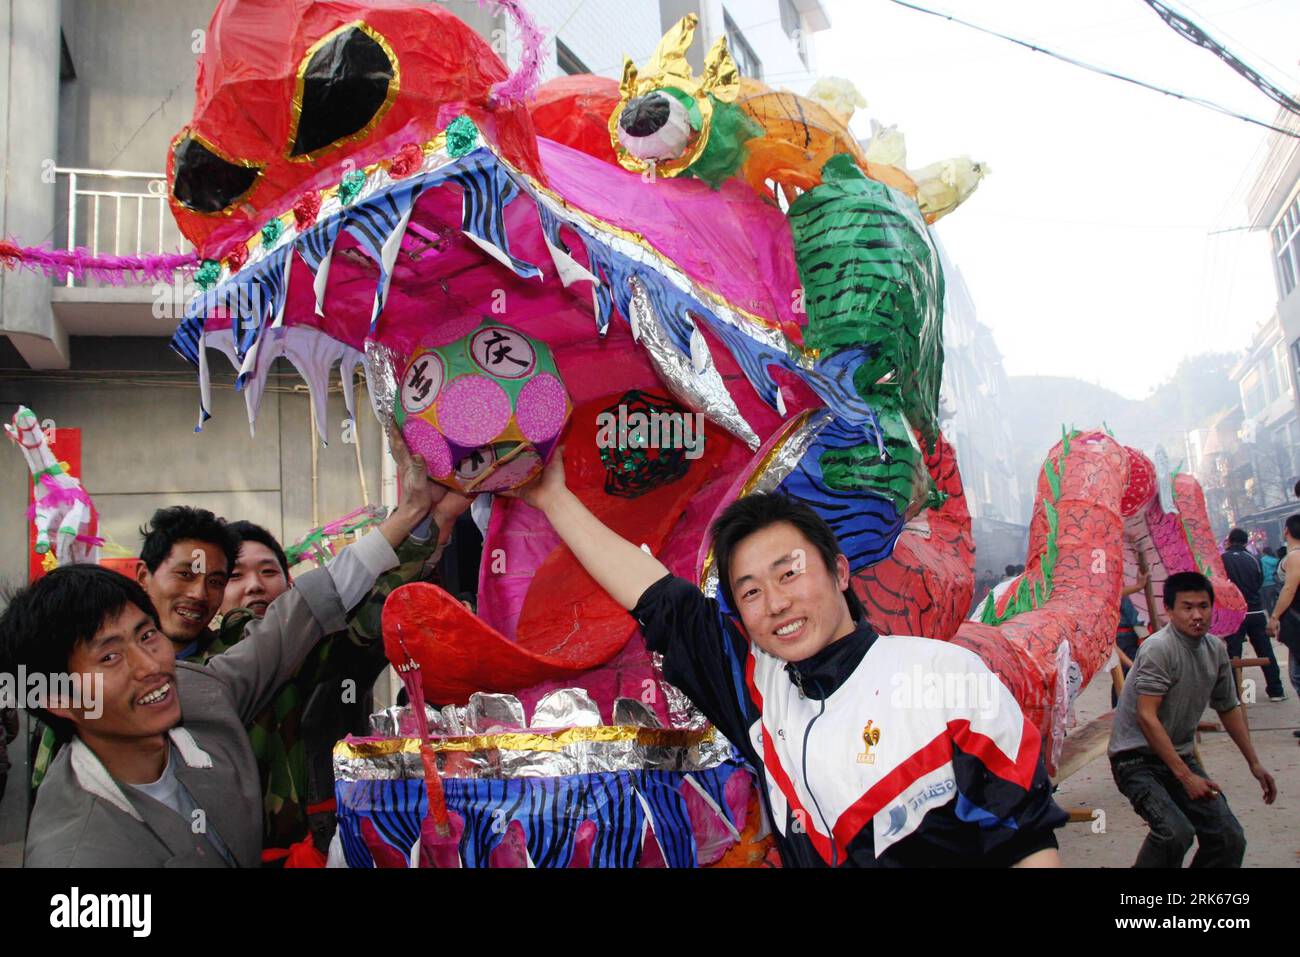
1273,204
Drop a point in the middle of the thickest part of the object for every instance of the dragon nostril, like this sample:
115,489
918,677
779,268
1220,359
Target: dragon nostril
646,115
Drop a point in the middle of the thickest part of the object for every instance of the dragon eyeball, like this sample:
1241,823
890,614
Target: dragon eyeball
655,127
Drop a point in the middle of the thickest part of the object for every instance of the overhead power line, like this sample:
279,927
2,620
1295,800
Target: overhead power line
1208,104
1194,34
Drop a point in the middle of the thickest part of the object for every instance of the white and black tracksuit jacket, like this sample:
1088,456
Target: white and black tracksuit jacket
864,760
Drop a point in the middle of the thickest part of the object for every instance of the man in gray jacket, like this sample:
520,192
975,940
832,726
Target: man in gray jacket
1178,672
159,771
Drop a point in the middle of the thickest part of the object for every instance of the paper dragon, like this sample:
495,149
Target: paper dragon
514,266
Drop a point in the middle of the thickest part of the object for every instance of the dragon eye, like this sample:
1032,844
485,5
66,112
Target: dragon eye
343,87
655,127
646,115
206,183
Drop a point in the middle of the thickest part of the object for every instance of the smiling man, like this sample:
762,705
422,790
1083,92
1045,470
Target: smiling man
859,768
261,573
185,561
184,564
162,773
1178,672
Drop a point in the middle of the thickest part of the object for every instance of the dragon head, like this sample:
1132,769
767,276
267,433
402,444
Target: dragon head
794,349
292,94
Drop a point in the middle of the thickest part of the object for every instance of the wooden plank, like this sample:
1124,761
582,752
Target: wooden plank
1155,624
1084,745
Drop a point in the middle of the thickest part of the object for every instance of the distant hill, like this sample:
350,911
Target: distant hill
1038,406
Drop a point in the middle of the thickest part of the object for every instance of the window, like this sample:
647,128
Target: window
1252,394
1269,375
789,18
1286,246
567,60
747,60
1283,375
792,23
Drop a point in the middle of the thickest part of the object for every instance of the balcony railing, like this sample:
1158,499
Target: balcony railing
118,212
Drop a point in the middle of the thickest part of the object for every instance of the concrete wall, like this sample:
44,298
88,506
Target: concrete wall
134,87
140,451
600,34
29,91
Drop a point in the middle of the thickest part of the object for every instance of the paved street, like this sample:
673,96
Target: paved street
1273,833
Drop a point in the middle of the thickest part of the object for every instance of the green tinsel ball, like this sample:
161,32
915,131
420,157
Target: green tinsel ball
462,136
271,232
351,185
207,274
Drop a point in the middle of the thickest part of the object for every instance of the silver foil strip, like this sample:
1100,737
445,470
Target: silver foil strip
382,364
682,713
566,708
496,713
488,713
573,758
398,722
694,380
632,713
402,766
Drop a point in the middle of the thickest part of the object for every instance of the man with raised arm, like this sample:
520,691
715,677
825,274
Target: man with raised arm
159,771
861,764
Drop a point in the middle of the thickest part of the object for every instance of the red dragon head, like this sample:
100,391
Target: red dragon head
292,94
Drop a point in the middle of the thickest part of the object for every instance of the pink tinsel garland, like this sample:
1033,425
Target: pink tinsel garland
80,263
56,494
521,85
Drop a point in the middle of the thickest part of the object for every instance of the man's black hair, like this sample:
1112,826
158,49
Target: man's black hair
1281,552
1009,570
1293,525
1238,536
1297,489
45,621
753,513
180,523
248,532
1180,582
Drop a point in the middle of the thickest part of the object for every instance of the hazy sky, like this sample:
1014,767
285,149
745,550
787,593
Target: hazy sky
1088,250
